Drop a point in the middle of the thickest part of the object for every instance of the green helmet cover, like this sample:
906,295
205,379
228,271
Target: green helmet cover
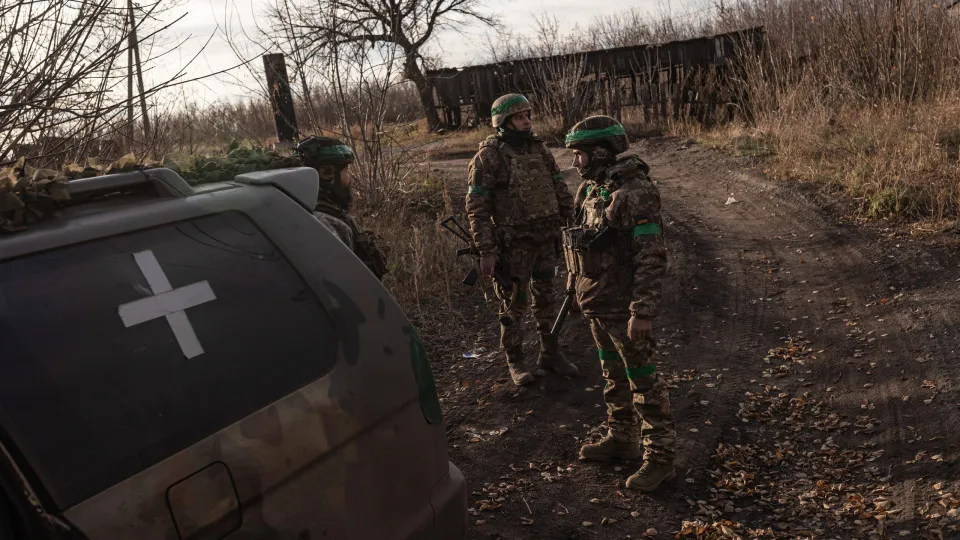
508,105
317,150
598,129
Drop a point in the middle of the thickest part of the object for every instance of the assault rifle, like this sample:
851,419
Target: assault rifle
573,240
471,249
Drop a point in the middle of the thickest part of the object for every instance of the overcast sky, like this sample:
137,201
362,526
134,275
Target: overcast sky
209,19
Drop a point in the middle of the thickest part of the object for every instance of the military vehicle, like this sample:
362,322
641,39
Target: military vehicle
202,362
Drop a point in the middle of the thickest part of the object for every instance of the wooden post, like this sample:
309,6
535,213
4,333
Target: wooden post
677,73
664,89
645,99
281,100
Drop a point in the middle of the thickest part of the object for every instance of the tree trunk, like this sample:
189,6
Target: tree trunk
413,72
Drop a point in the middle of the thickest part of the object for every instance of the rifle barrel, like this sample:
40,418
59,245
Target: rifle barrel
561,317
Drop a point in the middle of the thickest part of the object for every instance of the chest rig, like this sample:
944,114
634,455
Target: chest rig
529,197
582,242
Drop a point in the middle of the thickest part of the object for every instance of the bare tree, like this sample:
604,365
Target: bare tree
554,73
326,26
62,76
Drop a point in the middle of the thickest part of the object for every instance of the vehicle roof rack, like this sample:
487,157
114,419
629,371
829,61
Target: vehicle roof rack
167,183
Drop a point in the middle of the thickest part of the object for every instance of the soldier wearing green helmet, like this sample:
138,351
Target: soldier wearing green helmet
616,258
331,158
516,203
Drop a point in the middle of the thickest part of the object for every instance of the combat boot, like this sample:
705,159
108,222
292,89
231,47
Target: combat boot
651,475
553,359
518,372
609,448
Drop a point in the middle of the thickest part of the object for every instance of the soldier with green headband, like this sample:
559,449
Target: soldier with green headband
617,258
516,203
331,158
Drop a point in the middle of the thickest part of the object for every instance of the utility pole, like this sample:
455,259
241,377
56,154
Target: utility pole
133,57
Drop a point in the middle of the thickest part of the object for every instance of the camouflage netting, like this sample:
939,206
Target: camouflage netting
27,193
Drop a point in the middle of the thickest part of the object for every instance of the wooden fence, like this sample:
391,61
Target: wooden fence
666,80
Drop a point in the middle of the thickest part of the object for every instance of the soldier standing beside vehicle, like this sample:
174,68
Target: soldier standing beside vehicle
516,203
617,257
331,158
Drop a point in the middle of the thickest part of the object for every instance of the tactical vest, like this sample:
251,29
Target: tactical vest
584,246
365,245
529,197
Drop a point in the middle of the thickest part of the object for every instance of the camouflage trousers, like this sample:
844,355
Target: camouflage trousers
531,267
634,392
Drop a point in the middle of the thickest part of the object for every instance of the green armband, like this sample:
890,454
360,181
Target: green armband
479,190
646,229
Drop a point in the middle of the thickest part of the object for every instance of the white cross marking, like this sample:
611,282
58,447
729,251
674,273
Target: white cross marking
167,302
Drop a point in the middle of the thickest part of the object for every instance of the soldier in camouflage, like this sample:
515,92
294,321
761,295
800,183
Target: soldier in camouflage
516,203
616,256
331,158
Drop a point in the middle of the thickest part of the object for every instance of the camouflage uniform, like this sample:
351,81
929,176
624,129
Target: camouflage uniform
618,256
329,157
516,203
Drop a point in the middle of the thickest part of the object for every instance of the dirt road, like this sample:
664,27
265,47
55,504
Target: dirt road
814,374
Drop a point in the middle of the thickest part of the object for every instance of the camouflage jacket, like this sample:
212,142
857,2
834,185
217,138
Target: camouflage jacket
363,243
338,227
491,192
623,261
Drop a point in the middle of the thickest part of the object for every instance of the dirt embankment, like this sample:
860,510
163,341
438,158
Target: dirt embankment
814,374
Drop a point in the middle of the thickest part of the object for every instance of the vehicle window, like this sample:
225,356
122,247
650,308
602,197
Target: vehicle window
10,527
104,374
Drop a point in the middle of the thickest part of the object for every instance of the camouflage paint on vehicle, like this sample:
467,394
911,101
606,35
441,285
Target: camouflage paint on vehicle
357,453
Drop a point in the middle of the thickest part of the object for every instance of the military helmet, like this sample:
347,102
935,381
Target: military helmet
316,151
598,129
507,105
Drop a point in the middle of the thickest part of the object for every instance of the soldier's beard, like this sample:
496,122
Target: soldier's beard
600,159
336,193
341,194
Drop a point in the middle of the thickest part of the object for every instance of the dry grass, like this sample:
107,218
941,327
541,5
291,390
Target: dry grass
855,94
897,161
424,270
459,144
